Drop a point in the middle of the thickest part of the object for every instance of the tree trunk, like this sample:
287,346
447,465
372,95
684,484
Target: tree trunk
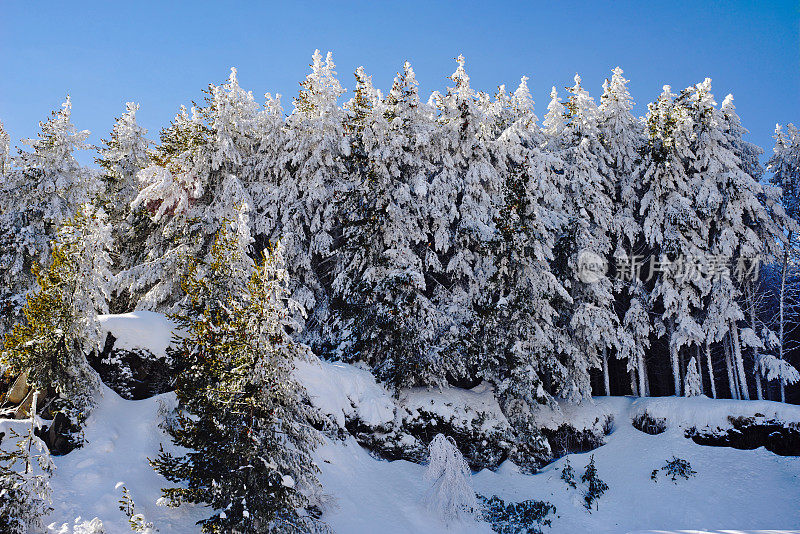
737,354
782,308
710,371
759,394
697,361
606,381
729,367
643,389
634,388
673,355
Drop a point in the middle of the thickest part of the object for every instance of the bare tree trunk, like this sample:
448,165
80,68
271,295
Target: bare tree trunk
634,385
759,394
782,309
673,354
737,354
699,366
606,382
642,371
729,367
710,370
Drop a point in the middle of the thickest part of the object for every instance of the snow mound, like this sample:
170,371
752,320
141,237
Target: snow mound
139,330
344,392
463,407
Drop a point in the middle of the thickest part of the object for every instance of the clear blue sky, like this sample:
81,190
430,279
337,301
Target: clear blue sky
162,56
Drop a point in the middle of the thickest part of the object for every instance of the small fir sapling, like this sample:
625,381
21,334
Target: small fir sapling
136,520
595,487
568,474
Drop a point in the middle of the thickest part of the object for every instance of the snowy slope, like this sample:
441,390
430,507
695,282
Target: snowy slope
733,488
120,436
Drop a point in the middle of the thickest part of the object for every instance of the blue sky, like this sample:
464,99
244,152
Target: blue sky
162,56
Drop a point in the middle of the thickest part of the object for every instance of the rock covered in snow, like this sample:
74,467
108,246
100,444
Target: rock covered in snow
134,361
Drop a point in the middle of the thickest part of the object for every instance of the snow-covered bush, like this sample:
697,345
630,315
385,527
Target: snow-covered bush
80,526
648,424
526,517
451,496
675,468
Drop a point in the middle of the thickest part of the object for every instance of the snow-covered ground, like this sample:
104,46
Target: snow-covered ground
732,489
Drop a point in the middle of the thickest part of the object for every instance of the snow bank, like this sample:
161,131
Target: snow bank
461,407
702,412
590,415
344,391
139,330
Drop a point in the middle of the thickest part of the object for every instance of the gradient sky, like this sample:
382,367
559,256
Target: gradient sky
162,56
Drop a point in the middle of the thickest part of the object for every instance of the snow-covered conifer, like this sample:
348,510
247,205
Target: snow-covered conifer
197,180
4,149
379,285
516,338
311,170
464,195
785,167
451,497
673,231
44,187
592,320
123,155
59,327
240,413
693,386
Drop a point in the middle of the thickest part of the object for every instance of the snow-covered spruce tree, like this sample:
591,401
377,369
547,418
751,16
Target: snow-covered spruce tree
310,172
743,229
463,198
515,339
43,187
379,289
197,179
590,319
673,231
121,157
451,496
59,327
785,167
623,137
240,414
693,385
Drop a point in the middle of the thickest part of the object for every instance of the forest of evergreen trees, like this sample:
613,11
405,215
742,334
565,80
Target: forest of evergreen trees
450,241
